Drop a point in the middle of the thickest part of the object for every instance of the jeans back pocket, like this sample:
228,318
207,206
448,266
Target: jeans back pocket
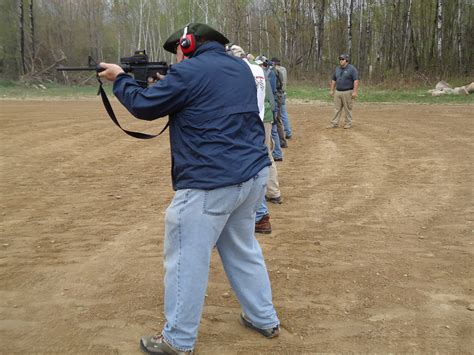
221,201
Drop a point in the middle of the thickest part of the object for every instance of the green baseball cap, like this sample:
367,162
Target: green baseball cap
199,30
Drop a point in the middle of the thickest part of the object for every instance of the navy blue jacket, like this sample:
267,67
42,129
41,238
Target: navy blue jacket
273,80
217,137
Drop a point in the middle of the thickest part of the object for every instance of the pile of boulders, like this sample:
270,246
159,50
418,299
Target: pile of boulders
443,88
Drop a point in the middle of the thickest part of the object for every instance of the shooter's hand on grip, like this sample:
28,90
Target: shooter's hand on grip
111,71
154,78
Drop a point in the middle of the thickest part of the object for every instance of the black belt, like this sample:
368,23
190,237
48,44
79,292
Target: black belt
345,89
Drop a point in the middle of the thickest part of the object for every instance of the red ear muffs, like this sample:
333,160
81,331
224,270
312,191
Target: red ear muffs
187,44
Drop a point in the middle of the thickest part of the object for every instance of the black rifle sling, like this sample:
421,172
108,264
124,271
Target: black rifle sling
110,111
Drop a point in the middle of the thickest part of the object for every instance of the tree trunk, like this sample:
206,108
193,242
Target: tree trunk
249,32
22,37
32,31
146,44
459,36
439,31
314,17
286,8
368,38
140,24
322,11
267,34
361,42
416,62
406,36
349,28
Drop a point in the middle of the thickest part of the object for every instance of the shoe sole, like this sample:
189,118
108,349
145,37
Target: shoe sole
264,232
275,202
249,325
144,349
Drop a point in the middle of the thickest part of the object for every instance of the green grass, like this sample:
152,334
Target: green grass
9,89
374,95
13,90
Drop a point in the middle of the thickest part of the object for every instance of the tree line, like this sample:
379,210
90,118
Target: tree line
385,39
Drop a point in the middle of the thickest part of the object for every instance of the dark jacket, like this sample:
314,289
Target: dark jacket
273,80
217,137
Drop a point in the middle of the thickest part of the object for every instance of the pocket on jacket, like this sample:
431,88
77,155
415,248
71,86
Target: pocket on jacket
221,201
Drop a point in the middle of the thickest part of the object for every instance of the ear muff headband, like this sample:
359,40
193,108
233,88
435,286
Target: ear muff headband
187,42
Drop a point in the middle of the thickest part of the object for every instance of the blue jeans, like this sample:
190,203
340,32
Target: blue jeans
262,210
196,221
277,153
284,117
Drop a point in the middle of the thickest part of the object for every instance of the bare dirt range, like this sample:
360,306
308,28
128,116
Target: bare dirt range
371,251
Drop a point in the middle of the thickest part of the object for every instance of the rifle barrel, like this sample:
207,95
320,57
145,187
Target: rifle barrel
128,68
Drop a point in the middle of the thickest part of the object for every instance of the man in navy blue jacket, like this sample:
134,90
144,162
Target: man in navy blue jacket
219,171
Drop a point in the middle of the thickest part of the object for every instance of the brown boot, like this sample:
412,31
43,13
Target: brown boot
263,226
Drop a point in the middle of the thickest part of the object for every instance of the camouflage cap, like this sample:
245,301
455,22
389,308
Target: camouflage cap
200,31
236,50
261,59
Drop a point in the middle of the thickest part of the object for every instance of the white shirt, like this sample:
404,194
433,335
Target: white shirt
259,76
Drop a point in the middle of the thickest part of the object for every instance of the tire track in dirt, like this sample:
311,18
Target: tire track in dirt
370,250
376,185
104,179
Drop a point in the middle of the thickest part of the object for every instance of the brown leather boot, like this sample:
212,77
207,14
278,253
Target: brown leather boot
263,226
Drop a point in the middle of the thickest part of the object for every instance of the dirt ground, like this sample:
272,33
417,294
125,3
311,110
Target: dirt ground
371,251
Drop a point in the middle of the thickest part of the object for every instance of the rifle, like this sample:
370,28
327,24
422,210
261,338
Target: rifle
142,71
137,64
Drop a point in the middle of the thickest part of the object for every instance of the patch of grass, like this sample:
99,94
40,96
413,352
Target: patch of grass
34,91
9,89
308,93
6,83
372,94
420,96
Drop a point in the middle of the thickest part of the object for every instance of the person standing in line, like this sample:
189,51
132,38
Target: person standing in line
272,78
283,113
345,80
219,172
266,106
257,73
273,194
279,99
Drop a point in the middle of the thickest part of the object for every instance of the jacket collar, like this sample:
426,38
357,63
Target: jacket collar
209,46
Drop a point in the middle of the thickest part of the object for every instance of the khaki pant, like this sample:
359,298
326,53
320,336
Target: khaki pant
273,187
342,101
280,126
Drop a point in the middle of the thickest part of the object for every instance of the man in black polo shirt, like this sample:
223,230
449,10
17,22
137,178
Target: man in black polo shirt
345,80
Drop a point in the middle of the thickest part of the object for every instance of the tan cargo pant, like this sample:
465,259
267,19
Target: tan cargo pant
342,101
273,187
